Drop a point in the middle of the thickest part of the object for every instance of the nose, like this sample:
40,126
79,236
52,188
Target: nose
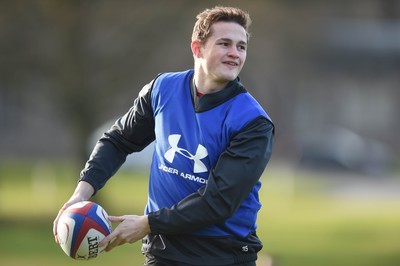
233,52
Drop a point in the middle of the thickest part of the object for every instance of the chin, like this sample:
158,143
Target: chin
232,77
229,77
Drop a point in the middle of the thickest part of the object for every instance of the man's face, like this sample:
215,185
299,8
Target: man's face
223,55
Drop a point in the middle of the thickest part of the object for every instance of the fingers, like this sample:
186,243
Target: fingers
63,208
55,232
131,229
114,234
116,219
112,240
107,239
116,242
55,224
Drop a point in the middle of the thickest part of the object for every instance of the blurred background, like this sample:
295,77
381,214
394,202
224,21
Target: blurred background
327,72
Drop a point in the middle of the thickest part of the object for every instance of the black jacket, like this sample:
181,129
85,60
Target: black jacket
135,130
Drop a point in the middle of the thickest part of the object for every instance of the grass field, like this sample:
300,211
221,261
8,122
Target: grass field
306,218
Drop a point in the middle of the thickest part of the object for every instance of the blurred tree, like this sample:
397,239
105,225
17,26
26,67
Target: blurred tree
390,9
68,66
72,73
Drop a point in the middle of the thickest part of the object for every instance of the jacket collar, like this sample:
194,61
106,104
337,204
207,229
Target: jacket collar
212,100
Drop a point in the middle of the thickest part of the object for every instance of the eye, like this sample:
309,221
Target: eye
242,47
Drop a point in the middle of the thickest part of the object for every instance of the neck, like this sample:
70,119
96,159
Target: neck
207,86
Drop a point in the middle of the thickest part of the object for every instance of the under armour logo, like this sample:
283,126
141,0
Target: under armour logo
199,166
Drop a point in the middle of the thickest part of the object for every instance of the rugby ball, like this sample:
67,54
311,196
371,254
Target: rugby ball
80,229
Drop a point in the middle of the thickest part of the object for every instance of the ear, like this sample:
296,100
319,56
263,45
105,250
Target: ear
195,45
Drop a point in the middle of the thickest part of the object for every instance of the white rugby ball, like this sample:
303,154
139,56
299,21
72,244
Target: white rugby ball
80,229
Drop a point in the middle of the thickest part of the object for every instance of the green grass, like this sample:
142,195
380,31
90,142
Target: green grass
306,224
301,222
34,245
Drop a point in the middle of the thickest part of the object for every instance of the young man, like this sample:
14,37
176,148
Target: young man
212,143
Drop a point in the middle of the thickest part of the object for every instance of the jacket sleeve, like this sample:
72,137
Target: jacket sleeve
237,171
130,133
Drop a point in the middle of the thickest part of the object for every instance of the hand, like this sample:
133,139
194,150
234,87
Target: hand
65,206
82,192
131,229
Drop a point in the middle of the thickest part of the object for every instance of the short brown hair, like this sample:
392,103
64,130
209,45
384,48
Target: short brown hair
205,19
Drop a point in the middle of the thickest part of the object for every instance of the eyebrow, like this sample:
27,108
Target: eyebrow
230,40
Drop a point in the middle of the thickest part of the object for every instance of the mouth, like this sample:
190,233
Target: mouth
231,63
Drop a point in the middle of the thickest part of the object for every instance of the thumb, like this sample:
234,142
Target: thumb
107,239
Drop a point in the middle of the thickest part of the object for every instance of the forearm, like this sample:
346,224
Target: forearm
104,161
83,191
130,133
